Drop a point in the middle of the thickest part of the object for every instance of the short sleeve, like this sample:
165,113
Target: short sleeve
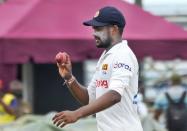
122,72
92,89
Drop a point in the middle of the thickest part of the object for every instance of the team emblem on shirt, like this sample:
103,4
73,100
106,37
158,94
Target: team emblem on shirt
96,14
105,67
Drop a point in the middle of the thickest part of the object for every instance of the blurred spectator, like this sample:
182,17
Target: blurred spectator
146,117
172,99
8,106
142,107
23,106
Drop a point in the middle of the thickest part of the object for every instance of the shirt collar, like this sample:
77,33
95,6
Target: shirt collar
116,47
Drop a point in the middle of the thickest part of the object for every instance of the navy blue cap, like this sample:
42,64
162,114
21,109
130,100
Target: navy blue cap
107,16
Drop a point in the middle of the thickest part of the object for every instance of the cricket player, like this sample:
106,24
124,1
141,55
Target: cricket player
113,89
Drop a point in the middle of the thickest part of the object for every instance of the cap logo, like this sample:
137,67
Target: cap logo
96,14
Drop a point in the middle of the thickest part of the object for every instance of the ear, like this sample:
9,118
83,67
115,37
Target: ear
115,29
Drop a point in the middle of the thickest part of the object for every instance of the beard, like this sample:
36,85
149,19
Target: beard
105,43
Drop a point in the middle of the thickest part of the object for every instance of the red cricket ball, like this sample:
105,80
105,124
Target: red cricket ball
61,57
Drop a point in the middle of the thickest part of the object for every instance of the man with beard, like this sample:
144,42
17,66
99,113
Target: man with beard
113,90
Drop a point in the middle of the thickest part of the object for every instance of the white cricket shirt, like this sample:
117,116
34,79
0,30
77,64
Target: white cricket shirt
117,70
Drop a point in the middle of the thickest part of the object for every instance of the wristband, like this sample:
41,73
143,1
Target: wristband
70,81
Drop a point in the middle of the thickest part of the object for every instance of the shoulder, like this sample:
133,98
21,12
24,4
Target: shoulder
161,101
122,55
161,96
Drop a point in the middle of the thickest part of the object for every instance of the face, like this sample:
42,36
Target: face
103,36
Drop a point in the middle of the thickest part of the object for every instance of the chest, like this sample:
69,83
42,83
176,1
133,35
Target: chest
103,75
104,68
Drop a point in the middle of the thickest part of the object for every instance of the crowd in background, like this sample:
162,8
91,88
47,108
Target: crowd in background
169,109
12,105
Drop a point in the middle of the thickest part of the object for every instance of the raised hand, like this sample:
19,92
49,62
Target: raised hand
64,65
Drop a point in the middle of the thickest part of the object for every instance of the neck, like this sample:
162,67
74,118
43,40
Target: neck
114,42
